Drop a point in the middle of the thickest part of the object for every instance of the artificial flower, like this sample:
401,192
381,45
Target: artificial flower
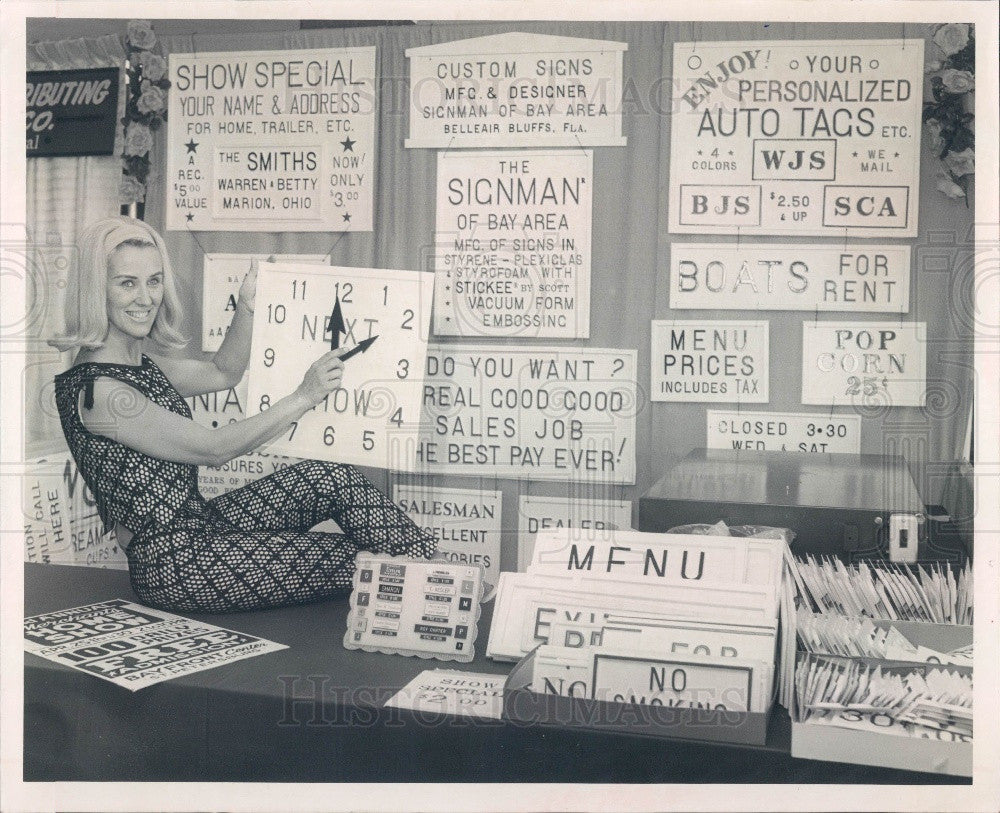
138,139
131,191
957,81
961,163
952,37
154,66
949,187
140,34
936,142
151,98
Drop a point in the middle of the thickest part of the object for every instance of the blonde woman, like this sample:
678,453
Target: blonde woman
130,431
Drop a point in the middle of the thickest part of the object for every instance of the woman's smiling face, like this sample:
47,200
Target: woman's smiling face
134,290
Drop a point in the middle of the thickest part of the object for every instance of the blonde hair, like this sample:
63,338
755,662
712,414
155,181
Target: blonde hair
86,309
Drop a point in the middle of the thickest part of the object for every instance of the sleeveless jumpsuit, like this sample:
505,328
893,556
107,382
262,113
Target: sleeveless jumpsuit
248,549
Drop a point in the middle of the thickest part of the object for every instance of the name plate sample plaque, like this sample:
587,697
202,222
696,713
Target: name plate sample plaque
409,607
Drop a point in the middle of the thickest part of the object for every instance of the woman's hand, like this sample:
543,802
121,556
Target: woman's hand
248,290
323,377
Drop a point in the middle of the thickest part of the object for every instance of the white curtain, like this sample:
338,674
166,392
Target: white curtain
64,195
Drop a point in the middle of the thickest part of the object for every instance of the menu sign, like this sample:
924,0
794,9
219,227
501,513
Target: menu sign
796,137
272,140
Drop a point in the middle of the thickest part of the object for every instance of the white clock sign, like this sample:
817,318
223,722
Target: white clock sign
383,318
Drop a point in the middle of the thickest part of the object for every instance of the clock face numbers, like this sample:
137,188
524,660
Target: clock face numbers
381,318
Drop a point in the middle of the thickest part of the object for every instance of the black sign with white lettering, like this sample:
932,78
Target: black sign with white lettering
72,112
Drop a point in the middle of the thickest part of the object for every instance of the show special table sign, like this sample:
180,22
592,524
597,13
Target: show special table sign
789,137
516,90
272,140
512,244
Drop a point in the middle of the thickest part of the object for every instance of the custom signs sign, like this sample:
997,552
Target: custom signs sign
516,90
271,140
72,112
709,361
540,413
465,522
870,363
411,607
588,519
383,317
779,276
796,137
784,431
61,523
512,254
445,691
660,557
222,276
135,646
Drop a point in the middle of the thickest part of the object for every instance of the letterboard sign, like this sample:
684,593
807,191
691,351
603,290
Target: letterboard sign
787,277
784,431
817,138
709,361
516,90
272,140
872,364
512,253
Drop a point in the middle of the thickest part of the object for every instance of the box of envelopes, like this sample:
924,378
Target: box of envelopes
598,689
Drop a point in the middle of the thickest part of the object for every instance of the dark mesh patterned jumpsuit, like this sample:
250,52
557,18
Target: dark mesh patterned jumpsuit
248,549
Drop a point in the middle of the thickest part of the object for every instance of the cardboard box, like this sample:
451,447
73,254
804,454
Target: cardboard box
523,706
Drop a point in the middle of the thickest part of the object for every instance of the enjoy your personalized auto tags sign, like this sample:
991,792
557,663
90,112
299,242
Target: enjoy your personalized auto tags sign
272,140
808,138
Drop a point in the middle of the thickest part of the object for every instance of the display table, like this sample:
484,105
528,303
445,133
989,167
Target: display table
313,713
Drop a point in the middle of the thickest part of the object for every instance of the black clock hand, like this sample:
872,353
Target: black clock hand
337,325
360,347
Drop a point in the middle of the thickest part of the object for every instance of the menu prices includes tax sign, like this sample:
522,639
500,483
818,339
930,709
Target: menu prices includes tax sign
784,431
512,254
516,90
864,363
709,361
538,413
272,140
763,276
135,646
796,137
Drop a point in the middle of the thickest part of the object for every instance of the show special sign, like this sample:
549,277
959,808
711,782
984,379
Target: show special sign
516,90
512,245
589,519
796,137
870,363
272,140
537,413
709,361
222,276
776,276
784,431
465,522
382,317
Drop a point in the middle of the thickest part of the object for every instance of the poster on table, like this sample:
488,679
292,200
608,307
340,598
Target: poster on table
61,523
465,522
271,140
786,277
709,361
589,519
864,363
796,138
445,691
516,90
783,431
512,244
136,646
222,276
533,413
381,319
